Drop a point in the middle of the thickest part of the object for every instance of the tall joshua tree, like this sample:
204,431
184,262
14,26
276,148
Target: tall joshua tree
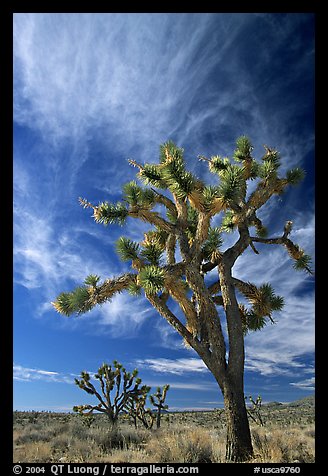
174,258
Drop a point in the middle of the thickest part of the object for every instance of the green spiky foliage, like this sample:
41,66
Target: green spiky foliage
244,149
263,301
210,193
127,249
232,186
111,214
151,278
186,257
136,195
261,231
169,151
151,175
303,263
77,301
228,223
180,182
210,248
134,289
295,176
92,280
218,165
117,389
153,248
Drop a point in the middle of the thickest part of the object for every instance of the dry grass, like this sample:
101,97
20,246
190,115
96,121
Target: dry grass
292,445
189,444
183,438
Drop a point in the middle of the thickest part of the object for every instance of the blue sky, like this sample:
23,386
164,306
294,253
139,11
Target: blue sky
91,91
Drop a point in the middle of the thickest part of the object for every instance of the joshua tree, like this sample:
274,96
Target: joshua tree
125,387
157,400
255,410
136,409
174,260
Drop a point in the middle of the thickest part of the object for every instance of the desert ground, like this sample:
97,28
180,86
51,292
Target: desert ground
286,436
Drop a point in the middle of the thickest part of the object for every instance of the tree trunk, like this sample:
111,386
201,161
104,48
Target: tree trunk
158,419
239,443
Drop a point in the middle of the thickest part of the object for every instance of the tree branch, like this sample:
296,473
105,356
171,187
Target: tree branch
113,286
232,253
165,312
165,201
201,232
151,217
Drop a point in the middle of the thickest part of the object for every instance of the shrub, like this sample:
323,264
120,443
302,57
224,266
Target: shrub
185,445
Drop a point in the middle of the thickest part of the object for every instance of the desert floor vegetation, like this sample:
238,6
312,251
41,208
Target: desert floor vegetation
288,435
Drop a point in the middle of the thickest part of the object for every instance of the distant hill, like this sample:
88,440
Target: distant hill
273,404
304,402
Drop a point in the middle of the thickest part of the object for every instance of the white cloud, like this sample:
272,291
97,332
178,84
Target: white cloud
39,258
124,315
276,349
178,366
79,73
26,374
198,386
307,384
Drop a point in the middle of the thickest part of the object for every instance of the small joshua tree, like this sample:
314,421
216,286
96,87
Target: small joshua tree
136,409
182,247
124,385
157,400
254,411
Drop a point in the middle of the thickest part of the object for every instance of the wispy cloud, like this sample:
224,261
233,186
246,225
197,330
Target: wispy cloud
26,374
109,74
307,384
178,366
47,260
43,255
124,315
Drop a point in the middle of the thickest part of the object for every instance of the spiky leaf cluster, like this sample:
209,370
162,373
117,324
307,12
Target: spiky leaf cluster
217,164
232,185
210,248
137,196
151,278
156,236
268,170
170,152
111,214
127,249
295,176
210,194
243,150
192,219
263,301
261,231
272,156
303,263
151,175
152,252
77,301
92,280
134,289
228,223
180,182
